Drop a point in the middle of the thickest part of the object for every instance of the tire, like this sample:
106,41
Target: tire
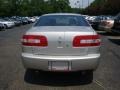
6,27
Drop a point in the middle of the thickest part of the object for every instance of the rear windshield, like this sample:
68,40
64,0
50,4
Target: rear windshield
62,20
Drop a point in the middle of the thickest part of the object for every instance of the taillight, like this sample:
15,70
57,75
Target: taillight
86,41
34,40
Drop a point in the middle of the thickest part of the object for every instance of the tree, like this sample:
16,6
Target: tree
32,7
104,7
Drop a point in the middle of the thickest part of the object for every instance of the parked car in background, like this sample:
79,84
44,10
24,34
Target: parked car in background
97,20
7,24
36,18
24,21
91,18
2,26
61,42
106,24
19,20
116,26
31,19
95,23
85,16
17,23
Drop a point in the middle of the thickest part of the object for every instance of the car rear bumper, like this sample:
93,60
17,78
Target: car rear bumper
10,25
89,62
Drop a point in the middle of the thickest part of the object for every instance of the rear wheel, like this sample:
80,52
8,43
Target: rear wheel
5,26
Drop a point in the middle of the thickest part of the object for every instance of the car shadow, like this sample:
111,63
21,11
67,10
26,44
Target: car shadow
115,41
108,34
2,29
57,78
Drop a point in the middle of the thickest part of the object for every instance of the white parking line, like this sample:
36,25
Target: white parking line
101,31
99,84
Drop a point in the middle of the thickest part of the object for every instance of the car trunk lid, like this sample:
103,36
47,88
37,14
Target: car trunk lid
60,39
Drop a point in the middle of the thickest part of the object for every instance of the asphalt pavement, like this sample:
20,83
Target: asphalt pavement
13,76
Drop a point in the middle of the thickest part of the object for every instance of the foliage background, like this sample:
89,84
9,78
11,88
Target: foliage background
39,7
103,7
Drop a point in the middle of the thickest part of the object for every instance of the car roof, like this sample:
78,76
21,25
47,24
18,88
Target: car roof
50,14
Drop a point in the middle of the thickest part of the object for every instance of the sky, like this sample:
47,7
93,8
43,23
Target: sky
80,3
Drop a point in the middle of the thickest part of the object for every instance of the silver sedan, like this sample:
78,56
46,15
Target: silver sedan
61,42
